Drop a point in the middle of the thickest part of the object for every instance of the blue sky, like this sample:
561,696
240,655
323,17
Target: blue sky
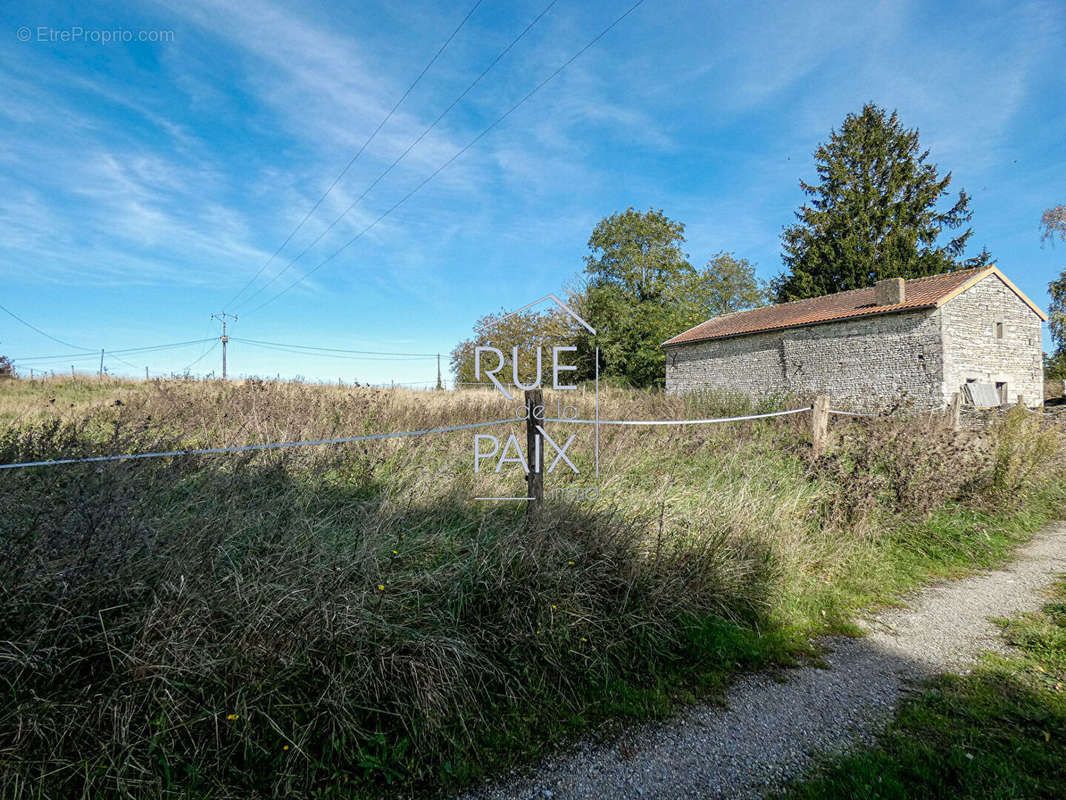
143,184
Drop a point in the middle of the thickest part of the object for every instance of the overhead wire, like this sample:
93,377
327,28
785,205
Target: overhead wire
167,346
354,158
123,351
70,356
334,349
87,353
202,356
284,349
210,338
38,330
414,143
454,157
120,360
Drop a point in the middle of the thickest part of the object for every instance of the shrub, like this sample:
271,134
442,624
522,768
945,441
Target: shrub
906,465
1023,448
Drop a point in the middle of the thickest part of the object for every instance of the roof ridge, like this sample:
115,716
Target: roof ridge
951,272
866,288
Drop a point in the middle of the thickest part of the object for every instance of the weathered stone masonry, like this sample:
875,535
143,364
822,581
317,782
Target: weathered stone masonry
975,351
869,362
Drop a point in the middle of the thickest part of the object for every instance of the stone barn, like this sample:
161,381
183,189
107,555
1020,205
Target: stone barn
922,339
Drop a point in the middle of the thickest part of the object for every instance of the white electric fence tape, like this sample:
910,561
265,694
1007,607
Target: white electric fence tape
376,436
680,421
248,447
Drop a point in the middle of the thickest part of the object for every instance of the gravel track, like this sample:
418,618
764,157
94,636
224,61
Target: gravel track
771,730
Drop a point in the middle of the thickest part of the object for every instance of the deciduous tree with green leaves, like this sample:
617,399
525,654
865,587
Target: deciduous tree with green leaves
634,268
527,330
873,213
1053,223
638,290
642,290
725,285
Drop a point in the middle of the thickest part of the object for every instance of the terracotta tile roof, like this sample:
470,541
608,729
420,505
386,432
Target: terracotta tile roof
918,293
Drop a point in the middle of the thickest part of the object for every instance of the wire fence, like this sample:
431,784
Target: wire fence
252,447
681,421
394,435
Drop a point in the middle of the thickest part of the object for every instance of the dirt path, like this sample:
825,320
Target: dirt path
770,730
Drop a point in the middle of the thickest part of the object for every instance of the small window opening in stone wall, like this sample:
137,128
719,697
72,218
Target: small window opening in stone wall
999,330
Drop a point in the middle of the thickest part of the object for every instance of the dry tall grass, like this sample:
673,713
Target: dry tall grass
305,621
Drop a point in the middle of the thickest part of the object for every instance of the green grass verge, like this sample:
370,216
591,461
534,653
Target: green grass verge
997,732
951,543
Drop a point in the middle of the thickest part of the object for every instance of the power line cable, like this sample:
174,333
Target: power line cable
126,351
402,155
38,330
168,346
120,360
202,356
71,356
447,163
334,349
354,158
284,349
209,338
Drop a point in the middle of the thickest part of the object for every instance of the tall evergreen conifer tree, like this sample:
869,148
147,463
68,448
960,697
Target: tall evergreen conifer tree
873,213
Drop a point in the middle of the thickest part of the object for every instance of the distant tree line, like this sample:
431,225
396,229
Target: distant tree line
637,290
874,212
1053,223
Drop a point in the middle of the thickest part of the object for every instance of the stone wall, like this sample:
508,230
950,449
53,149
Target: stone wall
866,363
974,351
750,364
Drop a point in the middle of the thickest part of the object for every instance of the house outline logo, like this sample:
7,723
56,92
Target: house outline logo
550,296
567,310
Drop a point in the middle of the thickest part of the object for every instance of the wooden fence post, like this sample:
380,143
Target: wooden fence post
819,423
534,457
956,410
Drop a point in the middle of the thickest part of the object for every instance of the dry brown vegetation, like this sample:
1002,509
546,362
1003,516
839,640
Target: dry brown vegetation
344,621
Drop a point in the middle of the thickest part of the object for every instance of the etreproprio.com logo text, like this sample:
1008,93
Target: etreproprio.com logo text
77,34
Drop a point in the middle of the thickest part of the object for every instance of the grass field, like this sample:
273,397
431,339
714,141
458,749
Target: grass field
345,621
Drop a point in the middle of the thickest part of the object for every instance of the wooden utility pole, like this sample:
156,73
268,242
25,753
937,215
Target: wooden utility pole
819,423
535,475
438,372
146,373
101,362
221,317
